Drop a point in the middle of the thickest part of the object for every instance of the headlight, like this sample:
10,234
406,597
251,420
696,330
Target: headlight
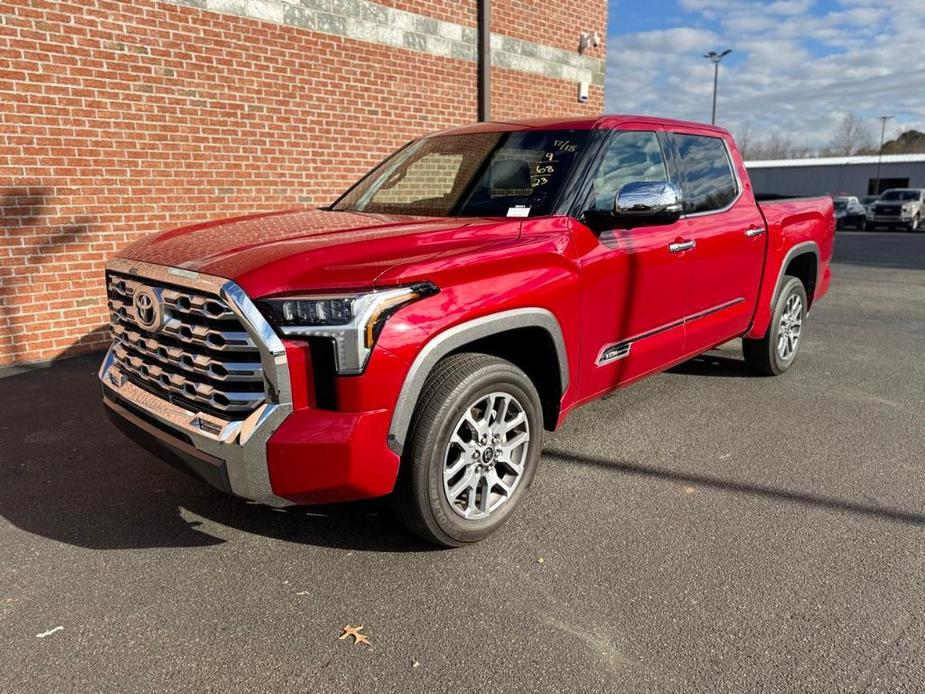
352,321
908,208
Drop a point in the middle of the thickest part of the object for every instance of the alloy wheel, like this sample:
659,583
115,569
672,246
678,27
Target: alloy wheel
484,460
791,323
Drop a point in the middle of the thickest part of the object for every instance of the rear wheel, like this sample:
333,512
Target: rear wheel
774,353
472,451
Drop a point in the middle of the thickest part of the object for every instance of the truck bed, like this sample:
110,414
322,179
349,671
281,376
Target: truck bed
794,224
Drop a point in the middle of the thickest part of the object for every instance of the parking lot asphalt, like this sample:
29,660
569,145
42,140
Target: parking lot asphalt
702,531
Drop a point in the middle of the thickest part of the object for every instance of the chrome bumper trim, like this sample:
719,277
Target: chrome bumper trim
242,444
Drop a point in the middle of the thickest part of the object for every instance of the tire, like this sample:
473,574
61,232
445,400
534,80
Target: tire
869,226
915,224
455,398
767,356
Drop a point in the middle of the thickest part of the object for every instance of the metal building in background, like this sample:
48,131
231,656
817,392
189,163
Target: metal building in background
836,175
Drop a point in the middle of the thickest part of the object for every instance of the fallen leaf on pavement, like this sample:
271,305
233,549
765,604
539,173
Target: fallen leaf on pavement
358,638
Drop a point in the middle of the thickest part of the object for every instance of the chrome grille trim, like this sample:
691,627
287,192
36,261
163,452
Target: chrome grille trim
200,364
179,362
239,441
159,378
177,301
198,335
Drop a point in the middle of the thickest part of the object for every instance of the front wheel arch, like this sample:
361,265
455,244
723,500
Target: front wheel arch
533,351
457,339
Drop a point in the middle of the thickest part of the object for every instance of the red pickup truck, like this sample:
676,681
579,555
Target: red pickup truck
417,337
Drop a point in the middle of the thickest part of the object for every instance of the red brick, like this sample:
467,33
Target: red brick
121,119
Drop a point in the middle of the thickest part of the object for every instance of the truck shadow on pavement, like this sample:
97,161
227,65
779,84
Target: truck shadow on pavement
754,490
68,475
715,366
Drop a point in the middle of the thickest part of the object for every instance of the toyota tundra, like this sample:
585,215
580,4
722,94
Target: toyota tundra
417,337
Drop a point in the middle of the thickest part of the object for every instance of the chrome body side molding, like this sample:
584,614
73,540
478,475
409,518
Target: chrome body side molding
618,350
458,336
613,352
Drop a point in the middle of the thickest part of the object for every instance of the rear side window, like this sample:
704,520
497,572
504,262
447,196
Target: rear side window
707,181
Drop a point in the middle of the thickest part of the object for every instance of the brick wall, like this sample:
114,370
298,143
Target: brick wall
121,119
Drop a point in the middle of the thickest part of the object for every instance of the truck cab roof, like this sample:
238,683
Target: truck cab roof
602,121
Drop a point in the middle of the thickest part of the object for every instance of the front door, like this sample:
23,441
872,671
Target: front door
730,240
634,289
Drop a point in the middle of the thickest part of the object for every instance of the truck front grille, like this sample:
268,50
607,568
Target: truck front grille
199,357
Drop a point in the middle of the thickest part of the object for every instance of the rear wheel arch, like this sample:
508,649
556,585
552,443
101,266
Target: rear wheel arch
802,262
505,335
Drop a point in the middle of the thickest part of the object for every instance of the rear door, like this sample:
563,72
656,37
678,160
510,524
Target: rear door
634,290
723,220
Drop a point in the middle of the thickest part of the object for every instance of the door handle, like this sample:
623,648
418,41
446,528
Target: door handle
752,233
681,246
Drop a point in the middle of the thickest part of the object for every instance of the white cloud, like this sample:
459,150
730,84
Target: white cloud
792,72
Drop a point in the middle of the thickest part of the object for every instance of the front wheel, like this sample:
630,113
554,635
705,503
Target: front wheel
472,450
774,353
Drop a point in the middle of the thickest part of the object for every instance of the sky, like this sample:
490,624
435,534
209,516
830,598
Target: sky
796,68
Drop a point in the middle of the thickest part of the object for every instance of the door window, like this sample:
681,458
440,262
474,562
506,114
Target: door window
631,157
707,180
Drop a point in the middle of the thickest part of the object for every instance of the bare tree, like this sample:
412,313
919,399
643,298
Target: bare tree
776,146
852,135
747,138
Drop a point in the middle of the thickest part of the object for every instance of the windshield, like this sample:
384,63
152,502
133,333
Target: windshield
900,195
500,174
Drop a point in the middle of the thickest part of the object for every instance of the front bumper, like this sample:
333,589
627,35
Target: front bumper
284,452
301,457
229,455
166,446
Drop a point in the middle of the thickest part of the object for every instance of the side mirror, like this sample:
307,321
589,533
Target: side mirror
641,203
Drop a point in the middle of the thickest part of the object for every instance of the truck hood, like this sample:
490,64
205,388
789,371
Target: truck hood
316,249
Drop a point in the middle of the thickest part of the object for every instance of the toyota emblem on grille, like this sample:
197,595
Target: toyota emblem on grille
147,308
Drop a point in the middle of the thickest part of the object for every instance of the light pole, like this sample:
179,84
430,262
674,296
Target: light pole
716,59
883,120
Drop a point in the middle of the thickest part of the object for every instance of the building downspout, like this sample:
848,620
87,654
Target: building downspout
484,59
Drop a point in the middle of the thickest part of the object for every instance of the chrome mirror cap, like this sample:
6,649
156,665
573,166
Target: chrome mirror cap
648,199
